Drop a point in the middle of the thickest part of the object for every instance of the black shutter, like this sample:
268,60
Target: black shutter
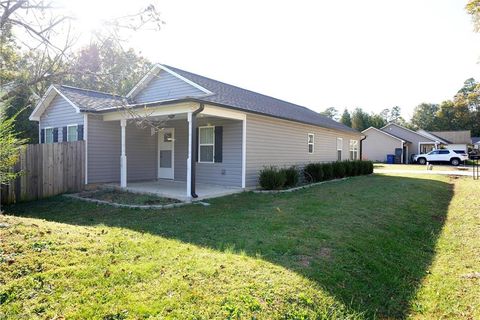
80,132
64,134
218,144
197,146
42,136
55,135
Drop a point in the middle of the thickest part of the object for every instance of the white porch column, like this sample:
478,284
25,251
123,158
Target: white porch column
123,157
189,156
244,151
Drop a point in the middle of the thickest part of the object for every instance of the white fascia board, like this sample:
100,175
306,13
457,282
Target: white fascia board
37,112
46,100
150,112
223,113
152,73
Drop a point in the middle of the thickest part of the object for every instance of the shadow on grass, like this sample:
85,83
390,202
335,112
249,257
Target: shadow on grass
369,241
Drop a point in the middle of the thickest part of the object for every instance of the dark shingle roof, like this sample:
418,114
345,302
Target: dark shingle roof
247,100
223,94
90,100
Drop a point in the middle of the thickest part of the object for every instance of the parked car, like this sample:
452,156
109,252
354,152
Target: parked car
455,157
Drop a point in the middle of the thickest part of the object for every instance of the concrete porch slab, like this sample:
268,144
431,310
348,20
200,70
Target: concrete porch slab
178,189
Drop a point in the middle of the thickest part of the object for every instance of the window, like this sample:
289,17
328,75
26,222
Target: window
206,144
72,133
444,152
48,135
339,148
311,141
353,149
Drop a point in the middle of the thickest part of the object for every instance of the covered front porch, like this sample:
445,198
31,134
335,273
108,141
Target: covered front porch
186,152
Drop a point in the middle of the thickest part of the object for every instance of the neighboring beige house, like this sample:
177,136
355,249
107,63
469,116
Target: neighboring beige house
394,138
213,135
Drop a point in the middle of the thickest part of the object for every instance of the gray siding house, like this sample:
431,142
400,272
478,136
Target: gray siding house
381,142
201,131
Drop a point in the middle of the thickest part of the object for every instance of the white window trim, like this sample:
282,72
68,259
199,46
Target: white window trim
45,130
206,144
340,149
69,126
311,143
341,144
354,149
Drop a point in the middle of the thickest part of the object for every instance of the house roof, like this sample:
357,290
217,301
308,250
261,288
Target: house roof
406,129
432,136
216,93
90,100
246,100
460,136
476,140
386,133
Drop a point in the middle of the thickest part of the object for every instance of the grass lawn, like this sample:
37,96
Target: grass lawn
381,246
436,167
124,197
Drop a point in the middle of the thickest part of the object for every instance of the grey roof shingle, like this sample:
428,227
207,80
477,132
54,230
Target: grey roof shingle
90,100
247,100
223,94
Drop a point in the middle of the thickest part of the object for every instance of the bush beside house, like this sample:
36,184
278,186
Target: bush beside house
274,178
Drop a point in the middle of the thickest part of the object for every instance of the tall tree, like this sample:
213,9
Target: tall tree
346,119
377,120
105,66
360,119
9,147
425,116
331,112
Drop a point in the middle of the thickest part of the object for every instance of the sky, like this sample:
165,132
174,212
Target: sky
373,54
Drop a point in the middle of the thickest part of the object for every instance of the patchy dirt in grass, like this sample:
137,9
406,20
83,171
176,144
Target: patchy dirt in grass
321,254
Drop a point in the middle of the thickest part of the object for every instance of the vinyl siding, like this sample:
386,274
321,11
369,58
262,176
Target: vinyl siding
229,171
103,150
142,155
407,135
59,114
377,145
283,143
166,86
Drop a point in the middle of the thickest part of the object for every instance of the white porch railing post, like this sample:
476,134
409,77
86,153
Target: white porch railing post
123,157
189,163
244,152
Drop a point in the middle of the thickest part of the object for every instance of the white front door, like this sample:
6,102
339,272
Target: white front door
166,147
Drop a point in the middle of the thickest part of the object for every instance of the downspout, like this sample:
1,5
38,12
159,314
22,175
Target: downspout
361,147
194,150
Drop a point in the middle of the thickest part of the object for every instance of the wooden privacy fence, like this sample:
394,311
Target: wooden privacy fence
47,169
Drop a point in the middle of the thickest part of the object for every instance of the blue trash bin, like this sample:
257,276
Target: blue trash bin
390,158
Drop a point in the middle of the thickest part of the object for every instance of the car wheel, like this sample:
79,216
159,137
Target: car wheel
455,162
422,161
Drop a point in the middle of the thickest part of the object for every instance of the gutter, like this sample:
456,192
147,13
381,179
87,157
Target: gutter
361,147
194,150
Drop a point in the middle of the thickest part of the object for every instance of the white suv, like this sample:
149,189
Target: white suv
455,157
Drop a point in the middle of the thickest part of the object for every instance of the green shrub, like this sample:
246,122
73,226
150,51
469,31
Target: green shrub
291,175
272,179
339,170
348,168
313,172
327,171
